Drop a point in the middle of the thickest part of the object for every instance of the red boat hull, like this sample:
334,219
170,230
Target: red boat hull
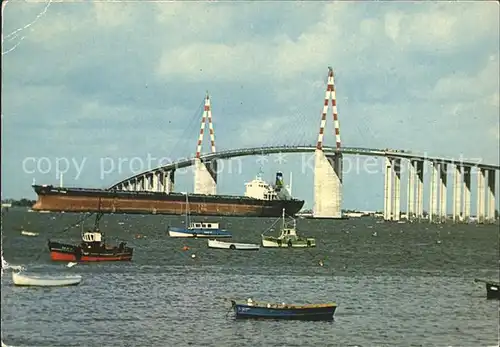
66,252
59,256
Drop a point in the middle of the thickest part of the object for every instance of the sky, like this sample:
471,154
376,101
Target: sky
89,85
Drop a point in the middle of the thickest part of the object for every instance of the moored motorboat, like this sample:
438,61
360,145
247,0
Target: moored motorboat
20,279
197,229
492,288
288,237
233,245
252,309
93,248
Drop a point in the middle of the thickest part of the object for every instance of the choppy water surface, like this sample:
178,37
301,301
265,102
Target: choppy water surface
411,285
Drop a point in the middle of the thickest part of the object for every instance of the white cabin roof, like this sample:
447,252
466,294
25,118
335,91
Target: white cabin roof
92,237
203,225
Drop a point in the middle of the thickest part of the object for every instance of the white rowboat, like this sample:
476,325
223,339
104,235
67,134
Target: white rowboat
233,245
45,281
28,233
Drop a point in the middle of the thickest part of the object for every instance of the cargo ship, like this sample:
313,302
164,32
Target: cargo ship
261,199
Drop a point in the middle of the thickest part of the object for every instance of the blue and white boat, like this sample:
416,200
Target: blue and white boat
198,229
252,309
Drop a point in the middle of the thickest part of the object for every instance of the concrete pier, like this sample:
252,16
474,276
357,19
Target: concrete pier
156,181
433,203
168,181
443,191
410,209
388,189
491,196
396,202
205,177
481,173
466,194
420,190
457,193
327,185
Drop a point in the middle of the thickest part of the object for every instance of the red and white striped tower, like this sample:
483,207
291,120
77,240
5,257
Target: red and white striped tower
328,168
330,94
207,115
205,178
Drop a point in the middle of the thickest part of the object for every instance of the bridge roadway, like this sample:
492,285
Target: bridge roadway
241,152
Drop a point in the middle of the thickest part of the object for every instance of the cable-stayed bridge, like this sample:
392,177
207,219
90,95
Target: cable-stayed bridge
328,180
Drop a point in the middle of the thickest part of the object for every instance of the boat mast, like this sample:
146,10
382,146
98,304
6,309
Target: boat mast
283,216
98,216
187,211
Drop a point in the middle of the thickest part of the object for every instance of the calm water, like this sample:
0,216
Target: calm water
399,288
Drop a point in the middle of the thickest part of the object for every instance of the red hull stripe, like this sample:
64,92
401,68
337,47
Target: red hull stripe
59,256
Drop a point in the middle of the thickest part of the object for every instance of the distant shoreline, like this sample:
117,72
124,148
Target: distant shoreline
17,203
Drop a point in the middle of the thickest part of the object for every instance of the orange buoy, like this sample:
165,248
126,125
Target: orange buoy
185,248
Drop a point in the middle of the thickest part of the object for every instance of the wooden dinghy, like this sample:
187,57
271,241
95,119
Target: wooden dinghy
233,245
315,312
20,279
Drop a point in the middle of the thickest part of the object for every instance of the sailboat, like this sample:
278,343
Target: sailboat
288,237
93,248
197,229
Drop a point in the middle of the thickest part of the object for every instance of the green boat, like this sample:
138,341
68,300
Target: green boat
288,236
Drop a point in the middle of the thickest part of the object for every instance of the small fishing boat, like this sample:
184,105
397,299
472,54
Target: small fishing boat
28,233
93,248
252,309
45,281
492,288
233,245
288,236
197,229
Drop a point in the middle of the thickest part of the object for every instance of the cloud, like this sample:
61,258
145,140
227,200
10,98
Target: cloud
124,79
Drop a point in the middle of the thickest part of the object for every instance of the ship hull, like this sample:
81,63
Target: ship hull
69,253
58,199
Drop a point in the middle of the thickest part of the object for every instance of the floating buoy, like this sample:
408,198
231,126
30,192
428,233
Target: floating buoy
321,263
185,248
193,256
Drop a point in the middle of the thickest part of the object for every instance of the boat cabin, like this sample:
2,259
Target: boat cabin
203,225
288,233
92,236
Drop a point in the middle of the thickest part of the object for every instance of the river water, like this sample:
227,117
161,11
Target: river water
410,285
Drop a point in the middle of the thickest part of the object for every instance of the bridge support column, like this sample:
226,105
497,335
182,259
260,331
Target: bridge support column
388,189
466,195
443,191
491,196
420,189
168,181
480,195
205,177
149,182
433,192
327,185
161,181
396,202
457,196
410,209
156,181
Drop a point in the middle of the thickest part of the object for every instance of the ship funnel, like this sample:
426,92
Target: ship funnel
279,179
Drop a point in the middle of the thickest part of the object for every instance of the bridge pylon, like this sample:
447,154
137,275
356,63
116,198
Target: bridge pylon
205,173
328,168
